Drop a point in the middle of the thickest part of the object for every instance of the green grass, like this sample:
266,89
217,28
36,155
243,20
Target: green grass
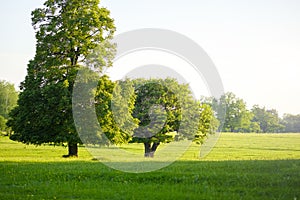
239,146
241,166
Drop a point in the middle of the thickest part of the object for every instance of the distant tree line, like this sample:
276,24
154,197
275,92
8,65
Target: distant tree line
234,116
8,100
291,123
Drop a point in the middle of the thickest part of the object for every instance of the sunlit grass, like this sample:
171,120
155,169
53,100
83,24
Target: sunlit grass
240,166
230,146
239,146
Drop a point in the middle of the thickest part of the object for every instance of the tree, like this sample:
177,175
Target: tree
291,123
255,127
232,111
114,108
67,32
102,109
268,120
8,98
208,123
164,106
2,123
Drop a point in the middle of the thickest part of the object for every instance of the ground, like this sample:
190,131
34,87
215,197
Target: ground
241,166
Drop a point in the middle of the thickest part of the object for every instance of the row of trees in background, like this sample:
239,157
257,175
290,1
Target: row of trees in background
233,112
8,100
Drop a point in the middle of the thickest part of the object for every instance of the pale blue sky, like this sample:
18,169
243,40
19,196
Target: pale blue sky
254,44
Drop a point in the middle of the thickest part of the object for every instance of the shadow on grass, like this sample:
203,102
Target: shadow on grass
257,179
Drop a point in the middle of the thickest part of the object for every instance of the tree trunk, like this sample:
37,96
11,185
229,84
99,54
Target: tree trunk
73,150
150,150
153,149
147,146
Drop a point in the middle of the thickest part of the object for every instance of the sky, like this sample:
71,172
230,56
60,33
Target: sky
255,45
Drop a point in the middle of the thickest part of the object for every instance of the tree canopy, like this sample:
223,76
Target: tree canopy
268,120
163,106
231,111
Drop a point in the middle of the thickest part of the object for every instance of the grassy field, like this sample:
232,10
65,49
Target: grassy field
241,166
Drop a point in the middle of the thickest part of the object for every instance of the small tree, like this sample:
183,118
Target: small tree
67,31
114,106
208,123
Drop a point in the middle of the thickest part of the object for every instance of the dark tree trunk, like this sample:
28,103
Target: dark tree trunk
153,149
73,150
147,146
150,150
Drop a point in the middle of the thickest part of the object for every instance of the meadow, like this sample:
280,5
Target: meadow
240,166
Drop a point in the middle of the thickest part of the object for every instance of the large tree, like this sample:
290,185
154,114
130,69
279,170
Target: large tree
163,106
67,31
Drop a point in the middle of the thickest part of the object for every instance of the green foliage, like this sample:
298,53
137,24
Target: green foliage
156,108
165,106
268,120
69,30
291,123
255,127
208,124
114,107
139,111
66,32
232,111
2,123
8,98
44,114
110,103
